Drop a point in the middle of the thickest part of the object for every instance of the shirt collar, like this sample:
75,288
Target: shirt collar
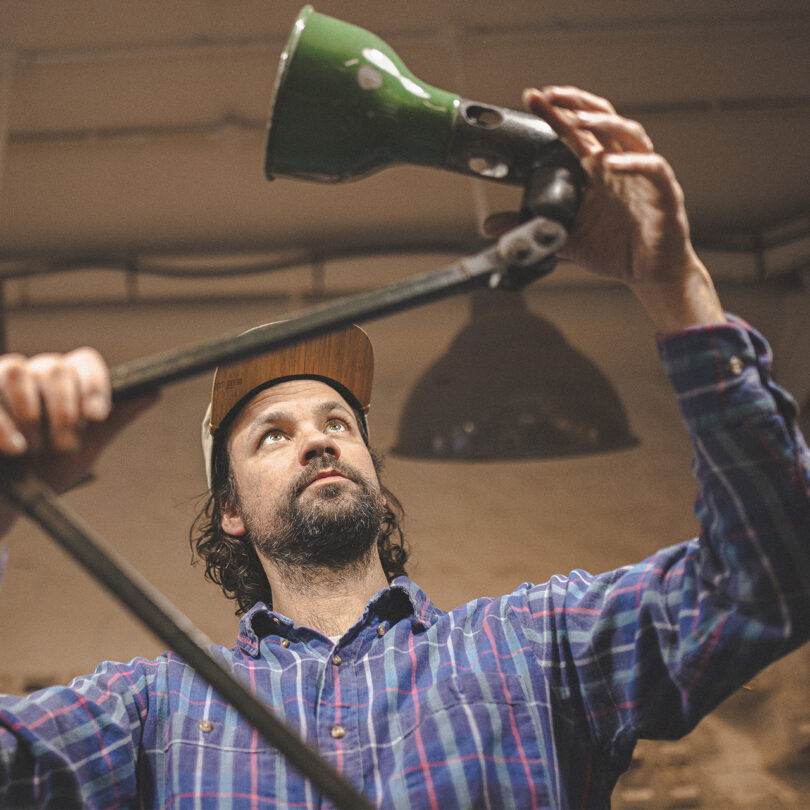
389,604
423,609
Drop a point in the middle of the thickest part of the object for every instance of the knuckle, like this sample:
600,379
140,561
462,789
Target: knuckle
13,369
637,129
664,166
41,365
62,412
89,367
85,354
52,369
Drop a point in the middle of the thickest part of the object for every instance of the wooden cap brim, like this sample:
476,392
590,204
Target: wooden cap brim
344,357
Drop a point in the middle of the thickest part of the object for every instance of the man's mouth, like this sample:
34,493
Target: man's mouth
328,475
324,476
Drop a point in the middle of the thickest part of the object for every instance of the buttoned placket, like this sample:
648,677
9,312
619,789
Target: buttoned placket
339,732
336,710
342,735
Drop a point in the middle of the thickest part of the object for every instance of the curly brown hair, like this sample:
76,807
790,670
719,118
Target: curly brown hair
232,563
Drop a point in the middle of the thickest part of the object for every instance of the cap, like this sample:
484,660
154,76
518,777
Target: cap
343,359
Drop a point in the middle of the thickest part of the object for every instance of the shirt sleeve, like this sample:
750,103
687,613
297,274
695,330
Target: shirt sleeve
647,650
75,746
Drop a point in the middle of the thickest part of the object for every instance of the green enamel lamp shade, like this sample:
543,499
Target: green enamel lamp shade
345,105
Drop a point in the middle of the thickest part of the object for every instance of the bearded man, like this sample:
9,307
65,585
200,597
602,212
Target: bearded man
533,699
297,516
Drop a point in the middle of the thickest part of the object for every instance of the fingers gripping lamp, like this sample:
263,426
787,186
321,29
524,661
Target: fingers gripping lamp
345,106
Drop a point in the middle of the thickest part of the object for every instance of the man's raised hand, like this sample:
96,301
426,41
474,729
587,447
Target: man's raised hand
632,225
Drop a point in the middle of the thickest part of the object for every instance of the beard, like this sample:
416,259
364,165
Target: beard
334,527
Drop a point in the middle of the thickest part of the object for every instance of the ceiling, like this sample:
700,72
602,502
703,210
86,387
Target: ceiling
135,129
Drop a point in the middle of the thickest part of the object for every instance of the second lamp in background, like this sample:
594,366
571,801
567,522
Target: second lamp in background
511,387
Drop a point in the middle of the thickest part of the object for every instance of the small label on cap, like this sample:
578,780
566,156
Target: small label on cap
232,383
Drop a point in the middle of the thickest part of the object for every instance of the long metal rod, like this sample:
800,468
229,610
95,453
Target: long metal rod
152,372
37,500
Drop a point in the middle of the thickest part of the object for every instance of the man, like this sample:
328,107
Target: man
533,699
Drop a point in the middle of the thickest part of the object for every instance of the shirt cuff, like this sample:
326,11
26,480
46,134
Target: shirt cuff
722,375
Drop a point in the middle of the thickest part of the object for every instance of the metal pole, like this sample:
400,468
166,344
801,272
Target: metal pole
159,369
525,251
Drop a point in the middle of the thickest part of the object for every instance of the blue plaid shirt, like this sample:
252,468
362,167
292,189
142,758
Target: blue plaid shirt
534,699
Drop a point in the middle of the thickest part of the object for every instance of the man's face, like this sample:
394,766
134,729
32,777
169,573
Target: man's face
308,491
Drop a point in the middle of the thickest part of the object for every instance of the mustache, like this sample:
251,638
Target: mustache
318,465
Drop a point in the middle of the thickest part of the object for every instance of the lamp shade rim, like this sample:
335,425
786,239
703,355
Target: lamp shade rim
281,76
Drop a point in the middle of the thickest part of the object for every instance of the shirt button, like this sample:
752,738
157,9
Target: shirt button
285,642
380,629
205,726
337,660
736,366
338,732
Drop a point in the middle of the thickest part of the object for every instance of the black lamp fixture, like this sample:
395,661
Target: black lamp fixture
511,387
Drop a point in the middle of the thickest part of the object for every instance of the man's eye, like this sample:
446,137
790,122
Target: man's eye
272,437
335,426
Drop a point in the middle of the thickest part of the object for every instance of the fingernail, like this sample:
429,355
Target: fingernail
17,441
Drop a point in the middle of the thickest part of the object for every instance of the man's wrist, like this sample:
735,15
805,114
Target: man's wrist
687,301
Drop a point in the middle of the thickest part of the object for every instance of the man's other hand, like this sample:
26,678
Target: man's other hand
56,411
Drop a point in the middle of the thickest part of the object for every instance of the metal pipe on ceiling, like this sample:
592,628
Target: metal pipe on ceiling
232,124
556,26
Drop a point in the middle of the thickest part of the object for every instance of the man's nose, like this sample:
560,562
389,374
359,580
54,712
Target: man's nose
315,443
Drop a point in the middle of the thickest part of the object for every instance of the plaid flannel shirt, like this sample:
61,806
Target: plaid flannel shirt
534,699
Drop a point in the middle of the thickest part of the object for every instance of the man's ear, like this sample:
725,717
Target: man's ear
231,522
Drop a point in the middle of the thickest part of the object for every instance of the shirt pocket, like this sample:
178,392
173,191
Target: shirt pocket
477,738
463,690
219,756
